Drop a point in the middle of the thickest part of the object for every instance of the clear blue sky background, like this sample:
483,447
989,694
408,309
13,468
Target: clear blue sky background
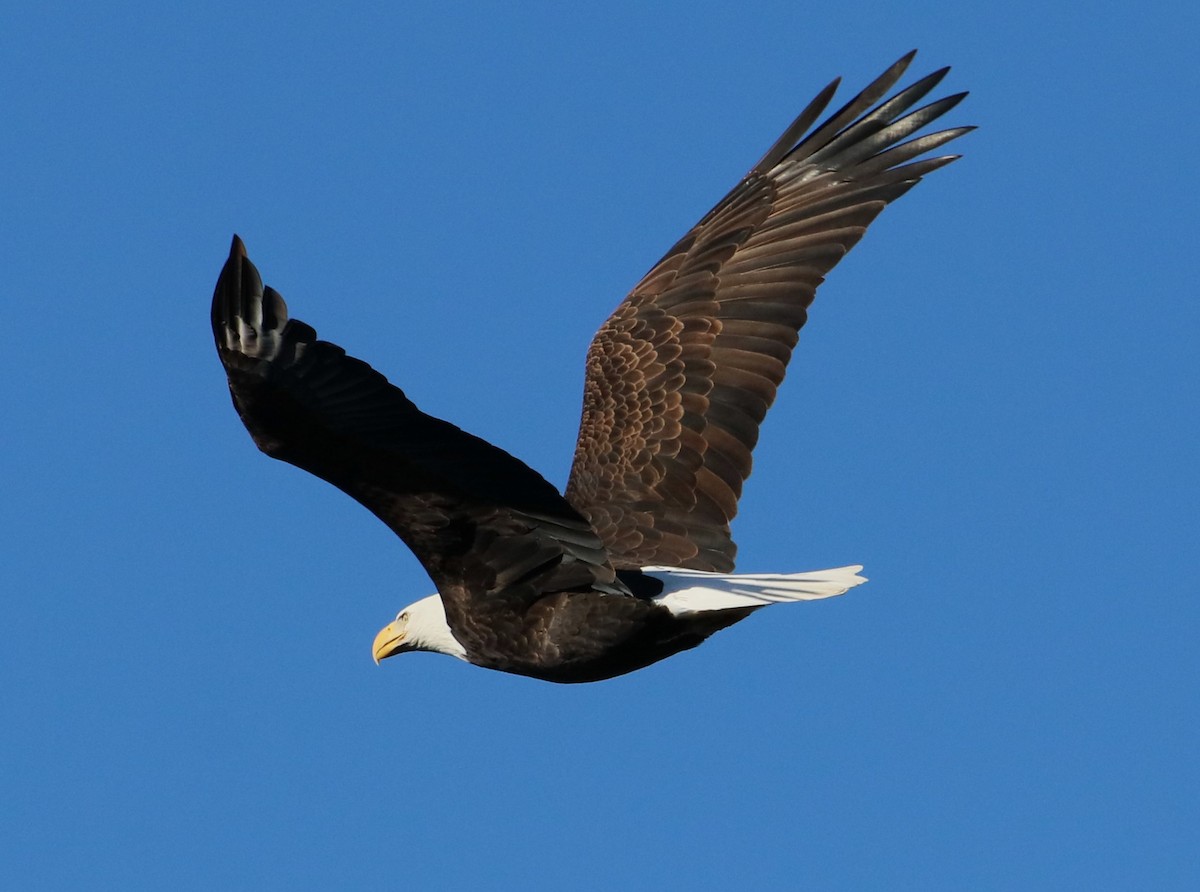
994,407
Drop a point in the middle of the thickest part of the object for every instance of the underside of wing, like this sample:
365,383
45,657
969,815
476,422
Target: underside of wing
679,379
491,532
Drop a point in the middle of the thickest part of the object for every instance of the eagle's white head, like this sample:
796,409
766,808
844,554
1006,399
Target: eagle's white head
419,626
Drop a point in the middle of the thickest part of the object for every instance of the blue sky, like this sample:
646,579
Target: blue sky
993,407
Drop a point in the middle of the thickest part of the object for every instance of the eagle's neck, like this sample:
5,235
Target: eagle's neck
428,630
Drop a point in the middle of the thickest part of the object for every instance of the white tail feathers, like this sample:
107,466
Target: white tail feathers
694,591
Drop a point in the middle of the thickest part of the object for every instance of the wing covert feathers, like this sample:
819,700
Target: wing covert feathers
682,374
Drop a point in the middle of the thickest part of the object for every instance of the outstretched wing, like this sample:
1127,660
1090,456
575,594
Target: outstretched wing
491,532
680,377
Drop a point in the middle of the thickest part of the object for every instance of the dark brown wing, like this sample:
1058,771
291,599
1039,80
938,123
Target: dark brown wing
682,374
491,532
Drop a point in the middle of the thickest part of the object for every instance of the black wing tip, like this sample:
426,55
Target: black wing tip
238,262
239,286
801,128
235,266
896,70
231,272
954,99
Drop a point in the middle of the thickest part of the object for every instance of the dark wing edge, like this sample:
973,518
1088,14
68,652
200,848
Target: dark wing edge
480,521
680,377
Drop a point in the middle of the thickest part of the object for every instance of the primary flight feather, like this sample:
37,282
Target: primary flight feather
633,562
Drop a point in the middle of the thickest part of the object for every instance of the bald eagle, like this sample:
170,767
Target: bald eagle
633,562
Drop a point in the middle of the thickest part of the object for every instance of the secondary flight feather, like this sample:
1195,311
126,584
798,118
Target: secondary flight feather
634,561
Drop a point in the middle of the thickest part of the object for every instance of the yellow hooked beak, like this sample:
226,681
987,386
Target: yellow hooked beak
389,641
